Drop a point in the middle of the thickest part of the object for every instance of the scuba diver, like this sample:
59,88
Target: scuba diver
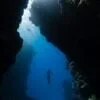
49,73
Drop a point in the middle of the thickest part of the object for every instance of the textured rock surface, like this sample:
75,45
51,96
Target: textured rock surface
75,31
10,41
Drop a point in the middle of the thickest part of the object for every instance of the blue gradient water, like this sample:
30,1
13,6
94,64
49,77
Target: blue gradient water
27,79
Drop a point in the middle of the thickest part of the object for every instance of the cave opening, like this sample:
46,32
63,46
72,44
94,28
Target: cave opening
40,69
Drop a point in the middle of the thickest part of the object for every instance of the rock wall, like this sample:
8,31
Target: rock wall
10,41
75,30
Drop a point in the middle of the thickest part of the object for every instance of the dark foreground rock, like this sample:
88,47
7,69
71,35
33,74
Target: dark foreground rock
10,41
76,31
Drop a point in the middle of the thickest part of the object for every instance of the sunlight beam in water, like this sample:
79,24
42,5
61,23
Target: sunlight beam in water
28,31
47,57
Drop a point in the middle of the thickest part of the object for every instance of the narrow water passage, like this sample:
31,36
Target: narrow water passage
46,63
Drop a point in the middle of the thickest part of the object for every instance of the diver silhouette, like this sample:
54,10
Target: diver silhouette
49,73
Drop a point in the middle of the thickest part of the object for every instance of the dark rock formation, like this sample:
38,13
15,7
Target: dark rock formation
10,41
75,30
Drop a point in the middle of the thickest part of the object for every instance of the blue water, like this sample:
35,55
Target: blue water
27,79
